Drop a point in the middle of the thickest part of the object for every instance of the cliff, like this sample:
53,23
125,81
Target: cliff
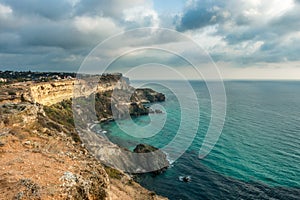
52,92
49,93
41,155
39,159
110,93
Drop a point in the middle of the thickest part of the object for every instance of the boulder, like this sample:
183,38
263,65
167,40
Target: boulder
149,95
159,162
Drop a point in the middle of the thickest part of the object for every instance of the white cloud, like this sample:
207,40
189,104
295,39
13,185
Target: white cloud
261,71
5,11
278,7
141,16
96,25
264,10
241,33
207,38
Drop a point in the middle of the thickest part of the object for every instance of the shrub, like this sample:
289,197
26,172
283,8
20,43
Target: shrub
113,173
62,114
12,93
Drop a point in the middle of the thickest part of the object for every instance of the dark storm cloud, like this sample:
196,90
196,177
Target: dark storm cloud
202,14
8,40
289,22
50,34
37,30
41,58
96,7
54,9
248,22
111,8
47,33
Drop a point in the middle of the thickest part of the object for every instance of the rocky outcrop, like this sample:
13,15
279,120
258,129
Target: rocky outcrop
108,105
130,162
15,93
40,160
110,87
52,92
115,99
84,186
35,156
160,161
49,93
18,115
41,150
149,95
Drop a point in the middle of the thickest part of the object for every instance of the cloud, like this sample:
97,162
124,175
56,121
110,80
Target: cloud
54,9
250,30
200,14
4,11
35,29
32,31
96,27
140,17
111,8
49,34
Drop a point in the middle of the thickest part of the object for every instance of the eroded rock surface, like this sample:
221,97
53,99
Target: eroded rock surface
42,155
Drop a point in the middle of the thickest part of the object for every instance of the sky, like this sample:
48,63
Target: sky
246,39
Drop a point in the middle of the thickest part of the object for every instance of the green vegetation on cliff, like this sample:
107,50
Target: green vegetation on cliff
62,114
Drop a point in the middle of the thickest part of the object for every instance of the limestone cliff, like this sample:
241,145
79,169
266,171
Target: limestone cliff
41,155
40,160
49,93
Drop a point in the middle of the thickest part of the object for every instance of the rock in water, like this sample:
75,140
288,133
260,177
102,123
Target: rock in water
144,148
149,95
185,178
159,159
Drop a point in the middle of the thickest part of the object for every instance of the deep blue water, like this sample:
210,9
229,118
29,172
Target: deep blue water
256,157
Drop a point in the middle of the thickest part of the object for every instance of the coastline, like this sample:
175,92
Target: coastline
34,122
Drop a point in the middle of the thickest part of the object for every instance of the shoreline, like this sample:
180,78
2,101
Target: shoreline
40,115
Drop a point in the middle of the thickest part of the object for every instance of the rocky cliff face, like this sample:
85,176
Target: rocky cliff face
15,93
51,93
39,162
54,92
110,96
48,93
41,155
39,159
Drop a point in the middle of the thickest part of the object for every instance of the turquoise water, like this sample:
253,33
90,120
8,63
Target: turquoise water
256,157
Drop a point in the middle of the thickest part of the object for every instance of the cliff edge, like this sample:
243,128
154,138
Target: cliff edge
41,155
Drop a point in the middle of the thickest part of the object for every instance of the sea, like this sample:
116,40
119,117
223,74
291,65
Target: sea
257,155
